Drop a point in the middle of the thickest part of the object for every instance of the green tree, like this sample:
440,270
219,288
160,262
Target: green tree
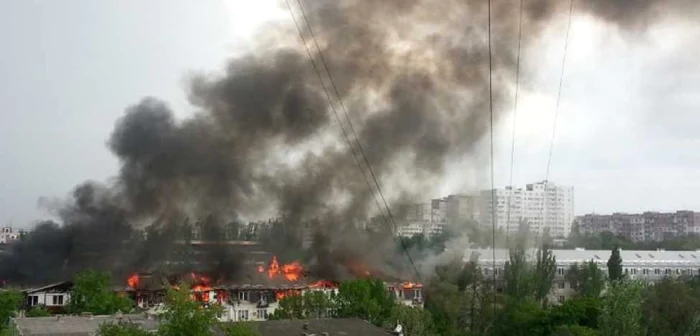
521,317
415,321
621,312
367,299
241,329
38,312
588,279
574,330
185,316
121,329
10,301
544,273
518,276
670,307
92,293
615,265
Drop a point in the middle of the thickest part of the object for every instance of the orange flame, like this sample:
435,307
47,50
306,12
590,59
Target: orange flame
323,284
133,280
409,285
292,272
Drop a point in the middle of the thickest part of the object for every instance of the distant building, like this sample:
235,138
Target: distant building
54,297
539,207
7,235
648,266
647,226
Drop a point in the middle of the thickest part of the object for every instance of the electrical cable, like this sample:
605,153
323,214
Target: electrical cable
515,113
561,81
493,189
345,133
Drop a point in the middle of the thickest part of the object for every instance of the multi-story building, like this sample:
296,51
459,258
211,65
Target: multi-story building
7,235
648,266
647,226
542,206
421,218
463,208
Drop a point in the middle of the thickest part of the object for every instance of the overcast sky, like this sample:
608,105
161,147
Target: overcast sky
627,139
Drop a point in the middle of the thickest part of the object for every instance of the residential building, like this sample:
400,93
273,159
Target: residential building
54,297
646,265
8,235
542,206
463,208
644,227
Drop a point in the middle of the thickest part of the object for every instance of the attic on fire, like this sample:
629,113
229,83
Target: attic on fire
257,296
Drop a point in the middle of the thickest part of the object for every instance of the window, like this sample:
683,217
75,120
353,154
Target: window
243,296
561,298
57,300
668,271
562,285
560,270
262,314
243,315
634,271
645,271
657,271
678,271
32,300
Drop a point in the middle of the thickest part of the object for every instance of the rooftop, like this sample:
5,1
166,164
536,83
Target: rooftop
688,258
73,325
333,327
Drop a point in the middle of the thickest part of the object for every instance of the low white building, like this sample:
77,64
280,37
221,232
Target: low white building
645,265
53,297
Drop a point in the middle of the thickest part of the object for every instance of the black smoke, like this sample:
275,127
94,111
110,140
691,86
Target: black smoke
414,77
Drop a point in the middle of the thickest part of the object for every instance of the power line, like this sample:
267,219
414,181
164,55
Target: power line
357,141
493,189
561,81
345,133
515,112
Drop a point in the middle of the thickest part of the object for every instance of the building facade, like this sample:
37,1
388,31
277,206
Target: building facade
542,206
644,227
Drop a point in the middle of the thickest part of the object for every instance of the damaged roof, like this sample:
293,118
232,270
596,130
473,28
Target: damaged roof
332,327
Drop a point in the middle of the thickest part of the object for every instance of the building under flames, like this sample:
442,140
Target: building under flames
256,295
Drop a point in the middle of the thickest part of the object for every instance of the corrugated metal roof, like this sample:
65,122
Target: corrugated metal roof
73,325
689,258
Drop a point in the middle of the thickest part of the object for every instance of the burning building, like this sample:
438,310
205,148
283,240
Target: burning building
257,294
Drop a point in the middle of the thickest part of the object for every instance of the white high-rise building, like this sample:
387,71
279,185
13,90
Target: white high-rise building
538,207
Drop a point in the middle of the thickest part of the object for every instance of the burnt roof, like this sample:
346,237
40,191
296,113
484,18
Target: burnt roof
334,327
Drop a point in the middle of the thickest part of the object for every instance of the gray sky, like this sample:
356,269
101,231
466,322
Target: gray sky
626,140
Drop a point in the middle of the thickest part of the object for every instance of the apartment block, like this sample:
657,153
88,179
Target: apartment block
647,226
537,208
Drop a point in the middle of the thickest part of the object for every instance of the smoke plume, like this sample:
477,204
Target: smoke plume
263,137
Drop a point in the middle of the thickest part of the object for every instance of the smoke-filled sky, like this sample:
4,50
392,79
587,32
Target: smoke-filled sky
626,138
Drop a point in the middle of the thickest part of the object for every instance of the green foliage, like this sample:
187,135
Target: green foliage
121,329
574,330
241,329
588,279
38,312
10,301
670,307
367,299
521,317
185,316
621,313
415,321
615,265
518,276
543,276
92,293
